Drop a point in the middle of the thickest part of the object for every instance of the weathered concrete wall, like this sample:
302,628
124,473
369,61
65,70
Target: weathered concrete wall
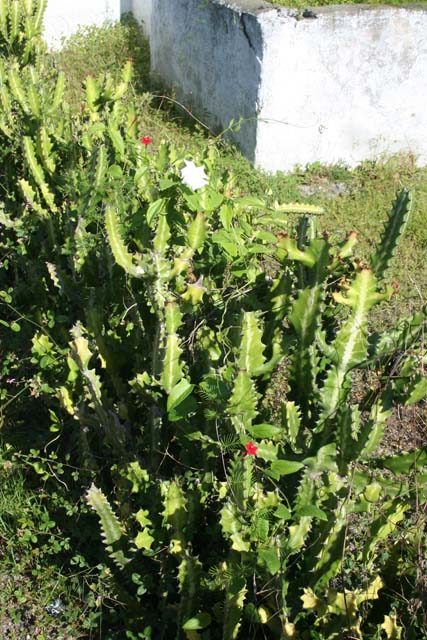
213,57
62,18
347,84
142,10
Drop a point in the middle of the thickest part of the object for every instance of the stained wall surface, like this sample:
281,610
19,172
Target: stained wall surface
345,83
348,84
141,10
212,56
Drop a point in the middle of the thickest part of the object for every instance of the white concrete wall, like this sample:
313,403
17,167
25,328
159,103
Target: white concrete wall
345,85
142,10
63,17
348,84
201,49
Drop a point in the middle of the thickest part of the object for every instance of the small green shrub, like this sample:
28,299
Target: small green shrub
95,51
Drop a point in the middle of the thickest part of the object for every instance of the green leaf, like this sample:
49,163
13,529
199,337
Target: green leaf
250,201
114,171
324,460
391,628
186,408
226,214
179,393
282,513
192,199
210,199
271,559
144,540
239,544
405,462
267,451
372,492
263,431
227,241
313,511
142,517
297,535
166,183
155,209
417,390
200,621
284,468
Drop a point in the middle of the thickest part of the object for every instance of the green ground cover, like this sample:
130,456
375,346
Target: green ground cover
54,580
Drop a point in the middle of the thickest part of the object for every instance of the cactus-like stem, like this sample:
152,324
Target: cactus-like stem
120,252
112,530
393,230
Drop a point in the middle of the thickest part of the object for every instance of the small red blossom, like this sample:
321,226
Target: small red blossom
146,140
251,448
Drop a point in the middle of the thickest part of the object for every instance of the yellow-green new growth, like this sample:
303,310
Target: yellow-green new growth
120,252
38,173
112,530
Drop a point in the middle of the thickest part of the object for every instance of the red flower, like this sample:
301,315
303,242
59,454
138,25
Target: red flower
146,140
251,449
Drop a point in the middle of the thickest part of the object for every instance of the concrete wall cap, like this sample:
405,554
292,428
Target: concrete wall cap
248,6
257,7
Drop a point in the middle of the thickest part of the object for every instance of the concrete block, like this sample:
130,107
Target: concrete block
345,84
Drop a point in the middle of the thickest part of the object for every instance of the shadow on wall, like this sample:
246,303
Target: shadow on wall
212,37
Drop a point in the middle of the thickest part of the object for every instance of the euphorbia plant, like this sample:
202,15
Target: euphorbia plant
285,505
163,306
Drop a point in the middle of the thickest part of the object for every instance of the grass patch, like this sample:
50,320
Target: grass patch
98,50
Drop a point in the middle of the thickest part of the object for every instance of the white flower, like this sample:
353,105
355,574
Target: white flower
194,177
